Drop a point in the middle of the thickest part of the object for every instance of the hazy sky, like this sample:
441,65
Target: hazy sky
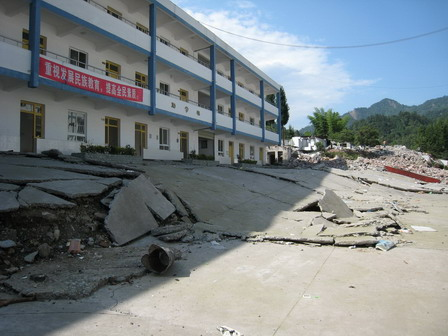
410,72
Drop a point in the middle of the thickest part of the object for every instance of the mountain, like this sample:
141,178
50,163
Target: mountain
389,107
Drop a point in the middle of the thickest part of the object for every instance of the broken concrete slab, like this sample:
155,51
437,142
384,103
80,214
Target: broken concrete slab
72,189
110,181
350,231
300,240
129,216
322,221
312,231
9,187
174,236
163,230
8,201
18,174
30,196
355,241
174,199
152,197
67,282
334,204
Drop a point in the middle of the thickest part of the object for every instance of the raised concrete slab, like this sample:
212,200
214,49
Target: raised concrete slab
30,196
65,281
355,241
129,216
153,198
19,160
334,204
72,189
312,231
174,199
9,187
350,231
8,201
19,174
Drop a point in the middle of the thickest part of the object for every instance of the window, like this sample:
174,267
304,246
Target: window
164,89
203,60
252,121
142,28
183,95
164,137
203,144
112,131
183,51
252,152
78,58
114,13
77,129
220,109
220,147
164,41
240,116
26,41
113,69
141,80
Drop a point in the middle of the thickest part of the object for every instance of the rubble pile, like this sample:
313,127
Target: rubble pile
374,159
399,157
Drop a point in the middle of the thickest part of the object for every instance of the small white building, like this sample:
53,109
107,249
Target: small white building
127,72
306,143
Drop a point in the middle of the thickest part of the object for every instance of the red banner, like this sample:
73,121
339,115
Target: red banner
69,76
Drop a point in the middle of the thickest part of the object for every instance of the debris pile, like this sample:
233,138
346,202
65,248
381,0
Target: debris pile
374,158
399,157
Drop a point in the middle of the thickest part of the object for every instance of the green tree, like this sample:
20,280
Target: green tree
284,104
346,135
367,136
433,138
327,124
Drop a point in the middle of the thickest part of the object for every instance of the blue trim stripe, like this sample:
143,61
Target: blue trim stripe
233,97
69,88
14,74
86,24
262,120
179,116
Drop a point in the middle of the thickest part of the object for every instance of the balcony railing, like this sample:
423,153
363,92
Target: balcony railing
169,44
166,93
11,41
121,18
92,68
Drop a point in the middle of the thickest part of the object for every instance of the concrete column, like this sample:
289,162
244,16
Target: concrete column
262,121
233,98
34,41
213,86
279,118
152,60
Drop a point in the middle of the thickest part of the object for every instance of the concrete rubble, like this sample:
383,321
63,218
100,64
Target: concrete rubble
374,159
260,205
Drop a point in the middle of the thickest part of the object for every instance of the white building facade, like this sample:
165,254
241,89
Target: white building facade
127,72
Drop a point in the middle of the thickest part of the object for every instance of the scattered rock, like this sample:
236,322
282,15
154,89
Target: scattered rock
44,250
38,277
6,244
74,246
29,258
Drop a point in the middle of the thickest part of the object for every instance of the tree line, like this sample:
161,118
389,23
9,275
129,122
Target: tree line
427,133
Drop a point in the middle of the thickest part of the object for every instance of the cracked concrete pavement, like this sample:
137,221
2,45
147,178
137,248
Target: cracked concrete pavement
263,288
